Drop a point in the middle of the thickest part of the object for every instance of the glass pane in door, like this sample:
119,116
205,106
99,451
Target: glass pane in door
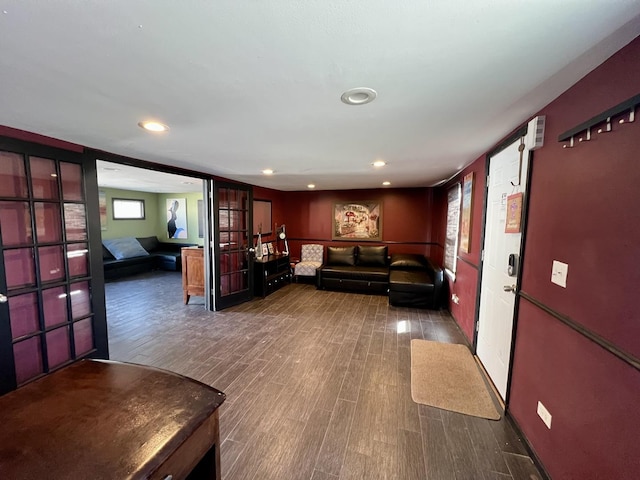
71,181
27,355
13,181
51,263
44,178
15,223
48,225
23,310
19,268
58,348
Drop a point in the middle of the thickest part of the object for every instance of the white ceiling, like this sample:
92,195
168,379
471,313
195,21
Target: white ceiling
247,85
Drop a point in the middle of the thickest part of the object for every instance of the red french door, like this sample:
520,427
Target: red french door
231,240
47,304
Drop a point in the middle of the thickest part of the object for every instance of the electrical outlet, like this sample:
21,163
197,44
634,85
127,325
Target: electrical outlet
559,273
544,414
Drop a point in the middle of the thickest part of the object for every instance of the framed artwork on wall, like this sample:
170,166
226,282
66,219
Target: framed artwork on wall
176,218
261,217
465,215
357,221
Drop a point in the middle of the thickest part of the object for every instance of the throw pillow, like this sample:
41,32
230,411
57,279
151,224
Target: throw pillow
372,255
126,247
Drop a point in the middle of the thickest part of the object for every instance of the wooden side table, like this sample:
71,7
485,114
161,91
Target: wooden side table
192,272
106,420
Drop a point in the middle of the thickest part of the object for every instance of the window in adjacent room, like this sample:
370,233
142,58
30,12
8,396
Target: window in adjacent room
453,224
128,209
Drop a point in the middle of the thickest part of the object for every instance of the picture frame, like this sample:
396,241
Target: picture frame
270,248
265,250
465,213
261,217
514,213
357,220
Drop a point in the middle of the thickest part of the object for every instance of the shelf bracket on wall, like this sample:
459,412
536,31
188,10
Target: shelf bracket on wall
628,107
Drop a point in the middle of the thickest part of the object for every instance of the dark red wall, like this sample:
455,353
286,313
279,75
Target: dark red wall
465,285
584,205
406,217
37,138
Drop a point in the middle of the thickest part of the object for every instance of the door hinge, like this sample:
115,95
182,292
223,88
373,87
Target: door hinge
488,178
482,256
477,326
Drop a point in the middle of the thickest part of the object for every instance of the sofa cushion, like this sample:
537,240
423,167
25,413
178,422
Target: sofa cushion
341,256
418,281
408,260
372,255
126,247
369,274
148,243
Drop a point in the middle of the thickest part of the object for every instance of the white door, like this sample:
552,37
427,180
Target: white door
495,324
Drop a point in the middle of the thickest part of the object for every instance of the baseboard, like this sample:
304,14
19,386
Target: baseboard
527,446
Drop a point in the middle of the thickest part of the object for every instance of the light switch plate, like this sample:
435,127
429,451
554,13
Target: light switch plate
559,273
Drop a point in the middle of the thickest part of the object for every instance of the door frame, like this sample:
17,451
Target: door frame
514,137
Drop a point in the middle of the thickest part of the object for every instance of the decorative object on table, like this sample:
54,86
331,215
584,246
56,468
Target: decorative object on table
176,218
270,248
282,235
357,221
265,250
259,243
514,213
465,216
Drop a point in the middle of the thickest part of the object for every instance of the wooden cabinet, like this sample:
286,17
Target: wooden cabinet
192,272
101,419
270,273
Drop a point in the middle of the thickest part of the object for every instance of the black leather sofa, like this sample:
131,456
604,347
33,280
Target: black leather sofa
414,281
411,280
163,256
361,268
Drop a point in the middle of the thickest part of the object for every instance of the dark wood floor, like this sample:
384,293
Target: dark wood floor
317,383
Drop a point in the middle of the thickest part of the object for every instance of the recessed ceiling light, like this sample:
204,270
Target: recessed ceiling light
311,185
359,96
187,183
386,183
153,126
110,169
379,163
267,171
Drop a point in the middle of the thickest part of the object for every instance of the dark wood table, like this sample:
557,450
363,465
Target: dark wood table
108,420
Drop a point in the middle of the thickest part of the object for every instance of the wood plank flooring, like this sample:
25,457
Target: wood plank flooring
317,383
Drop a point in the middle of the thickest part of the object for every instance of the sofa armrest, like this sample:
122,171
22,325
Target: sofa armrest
438,282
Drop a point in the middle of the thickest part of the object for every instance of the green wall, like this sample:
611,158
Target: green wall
131,228
155,222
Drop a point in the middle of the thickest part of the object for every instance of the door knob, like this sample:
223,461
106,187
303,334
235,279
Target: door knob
3,298
509,288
